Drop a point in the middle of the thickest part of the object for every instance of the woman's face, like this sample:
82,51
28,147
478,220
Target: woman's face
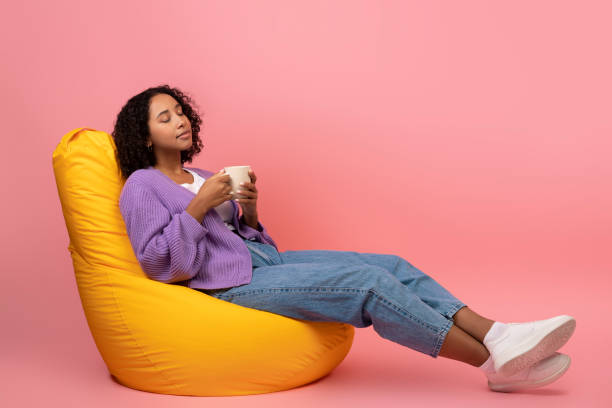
169,128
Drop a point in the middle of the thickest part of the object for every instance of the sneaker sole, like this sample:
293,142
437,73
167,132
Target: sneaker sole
531,384
540,350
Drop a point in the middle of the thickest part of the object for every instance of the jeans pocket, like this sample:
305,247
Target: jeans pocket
262,254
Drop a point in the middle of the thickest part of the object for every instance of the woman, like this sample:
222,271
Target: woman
184,227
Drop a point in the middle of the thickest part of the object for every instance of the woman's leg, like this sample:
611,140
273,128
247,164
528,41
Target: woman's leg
473,323
460,346
430,291
464,340
364,289
524,345
350,291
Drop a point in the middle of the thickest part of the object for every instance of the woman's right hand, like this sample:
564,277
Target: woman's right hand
215,191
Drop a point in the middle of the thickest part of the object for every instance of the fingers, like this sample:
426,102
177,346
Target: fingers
247,193
225,177
248,186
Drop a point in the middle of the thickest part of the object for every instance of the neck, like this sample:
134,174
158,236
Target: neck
169,164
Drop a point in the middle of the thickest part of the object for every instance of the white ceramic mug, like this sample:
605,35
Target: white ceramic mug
238,174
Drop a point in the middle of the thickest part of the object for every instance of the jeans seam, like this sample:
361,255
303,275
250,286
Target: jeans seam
441,337
397,308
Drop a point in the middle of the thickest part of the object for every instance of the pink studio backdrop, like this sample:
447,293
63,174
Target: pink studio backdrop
471,138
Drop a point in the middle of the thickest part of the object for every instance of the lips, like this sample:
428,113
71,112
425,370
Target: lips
183,134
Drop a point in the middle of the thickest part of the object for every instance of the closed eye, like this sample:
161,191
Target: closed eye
180,112
168,120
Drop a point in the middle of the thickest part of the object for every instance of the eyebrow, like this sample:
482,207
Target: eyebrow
166,111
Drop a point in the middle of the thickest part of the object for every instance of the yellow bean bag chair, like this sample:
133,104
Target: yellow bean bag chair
165,338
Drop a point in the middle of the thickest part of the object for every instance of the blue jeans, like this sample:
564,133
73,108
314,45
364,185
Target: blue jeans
402,303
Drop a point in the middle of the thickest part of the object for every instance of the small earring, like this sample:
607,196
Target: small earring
150,148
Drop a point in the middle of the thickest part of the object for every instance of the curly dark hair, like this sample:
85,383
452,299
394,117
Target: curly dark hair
132,130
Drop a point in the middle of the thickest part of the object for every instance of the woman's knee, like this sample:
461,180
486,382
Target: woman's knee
377,279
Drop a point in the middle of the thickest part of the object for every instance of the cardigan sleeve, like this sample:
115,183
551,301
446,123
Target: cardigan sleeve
169,247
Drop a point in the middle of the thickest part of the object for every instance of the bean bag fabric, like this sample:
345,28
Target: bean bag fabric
166,338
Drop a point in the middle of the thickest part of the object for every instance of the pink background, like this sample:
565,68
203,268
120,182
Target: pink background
471,138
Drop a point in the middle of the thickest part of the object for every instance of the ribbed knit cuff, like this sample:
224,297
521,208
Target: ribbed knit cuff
193,228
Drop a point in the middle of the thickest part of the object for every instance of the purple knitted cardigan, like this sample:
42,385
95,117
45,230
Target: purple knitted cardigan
172,246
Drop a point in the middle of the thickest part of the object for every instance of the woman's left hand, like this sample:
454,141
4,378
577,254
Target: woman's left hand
247,196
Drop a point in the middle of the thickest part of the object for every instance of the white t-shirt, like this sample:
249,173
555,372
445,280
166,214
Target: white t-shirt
225,210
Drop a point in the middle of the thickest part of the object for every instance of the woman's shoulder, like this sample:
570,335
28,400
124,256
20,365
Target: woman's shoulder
141,177
137,189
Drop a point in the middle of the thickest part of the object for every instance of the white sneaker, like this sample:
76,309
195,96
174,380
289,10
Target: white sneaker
521,345
543,372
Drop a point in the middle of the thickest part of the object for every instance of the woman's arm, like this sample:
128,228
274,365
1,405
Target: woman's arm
169,247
